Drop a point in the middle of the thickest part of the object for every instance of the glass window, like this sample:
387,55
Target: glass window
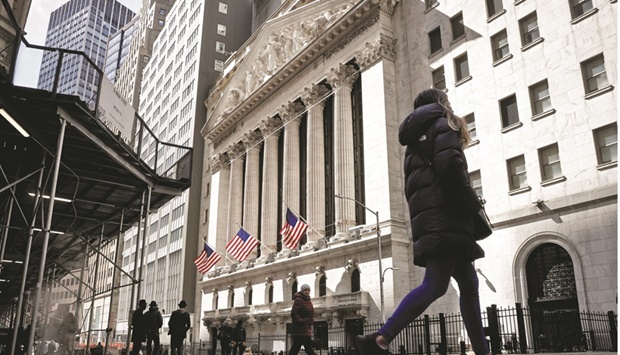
476,182
606,141
430,3
221,29
355,281
516,172
529,29
471,126
461,67
160,23
580,7
458,28
219,65
494,7
509,111
435,39
439,78
322,286
220,47
594,73
223,8
550,162
541,100
499,43
162,11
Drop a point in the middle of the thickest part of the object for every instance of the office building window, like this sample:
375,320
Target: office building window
499,42
549,158
516,172
219,65
539,95
461,67
435,39
439,78
162,11
509,111
223,8
606,142
529,29
458,28
580,7
221,29
220,47
471,126
430,3
494,7
160,23
476,182
594,74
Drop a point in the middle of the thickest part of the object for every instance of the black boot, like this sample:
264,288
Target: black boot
367,345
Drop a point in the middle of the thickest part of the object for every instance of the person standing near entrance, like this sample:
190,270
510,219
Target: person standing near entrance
239,338
138,324
302,315
442,208
154,322
178,324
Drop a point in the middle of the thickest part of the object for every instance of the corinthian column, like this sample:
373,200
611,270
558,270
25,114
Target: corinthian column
236,152
313,97
269,228
341,79
218,209
290,185
253,143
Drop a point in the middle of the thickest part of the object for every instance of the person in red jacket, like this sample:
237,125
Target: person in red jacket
302,315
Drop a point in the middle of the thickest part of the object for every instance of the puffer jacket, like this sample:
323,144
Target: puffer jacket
441,201
302,315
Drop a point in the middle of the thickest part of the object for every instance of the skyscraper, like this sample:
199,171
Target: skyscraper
82,25
119,48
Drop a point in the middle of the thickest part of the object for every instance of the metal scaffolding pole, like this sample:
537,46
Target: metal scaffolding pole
5,230
145,236
113,310
135,267
46,237
78,305
94,290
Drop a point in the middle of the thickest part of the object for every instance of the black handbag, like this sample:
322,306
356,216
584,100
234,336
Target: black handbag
482,225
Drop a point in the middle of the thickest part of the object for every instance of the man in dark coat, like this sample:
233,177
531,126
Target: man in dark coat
178,324
239,337
302,315
154,322
138,324
226,336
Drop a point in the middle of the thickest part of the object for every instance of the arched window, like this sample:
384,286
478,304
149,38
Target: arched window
355,280
294,289
231,299
322,286
270,298
250,296
216,298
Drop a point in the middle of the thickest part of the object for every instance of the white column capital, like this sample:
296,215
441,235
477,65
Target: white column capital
290,111
383,47
236,150
218,161
252,139
314,95
342,76
270,126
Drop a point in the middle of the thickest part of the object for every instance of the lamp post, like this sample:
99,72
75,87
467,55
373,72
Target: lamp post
376,213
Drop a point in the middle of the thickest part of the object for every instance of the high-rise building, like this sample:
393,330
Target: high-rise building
186,57
84,26
118,48
19,11
307,119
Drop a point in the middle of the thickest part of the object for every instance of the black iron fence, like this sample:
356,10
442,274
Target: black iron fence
508,330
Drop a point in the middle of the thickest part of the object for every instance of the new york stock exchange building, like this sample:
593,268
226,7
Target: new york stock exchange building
305,117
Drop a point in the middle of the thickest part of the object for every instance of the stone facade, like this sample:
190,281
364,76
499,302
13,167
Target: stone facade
379,50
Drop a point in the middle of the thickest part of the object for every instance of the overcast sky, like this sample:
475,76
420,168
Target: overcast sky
29,60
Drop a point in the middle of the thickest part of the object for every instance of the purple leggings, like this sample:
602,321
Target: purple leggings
435,285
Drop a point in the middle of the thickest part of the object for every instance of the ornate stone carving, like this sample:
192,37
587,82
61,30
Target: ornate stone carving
320,270
353,35
218,161
231,288
248,284
388,6
290,111
290,277
215,291
268,280
314,94
252,139
343,75
351,265
384,46
270,125
236,150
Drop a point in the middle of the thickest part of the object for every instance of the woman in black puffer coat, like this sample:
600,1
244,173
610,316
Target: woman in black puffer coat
442,205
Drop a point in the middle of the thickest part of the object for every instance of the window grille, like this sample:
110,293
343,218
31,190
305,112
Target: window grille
509,111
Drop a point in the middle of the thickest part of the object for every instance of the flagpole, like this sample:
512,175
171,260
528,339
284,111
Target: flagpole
305,221
214,248
259,241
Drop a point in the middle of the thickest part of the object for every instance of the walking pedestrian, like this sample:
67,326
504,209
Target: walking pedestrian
239,338
154,322
178,325
138,335
302,315
226,336
442,205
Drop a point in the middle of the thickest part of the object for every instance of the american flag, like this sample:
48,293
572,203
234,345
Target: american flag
205,261
292,230
241,245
